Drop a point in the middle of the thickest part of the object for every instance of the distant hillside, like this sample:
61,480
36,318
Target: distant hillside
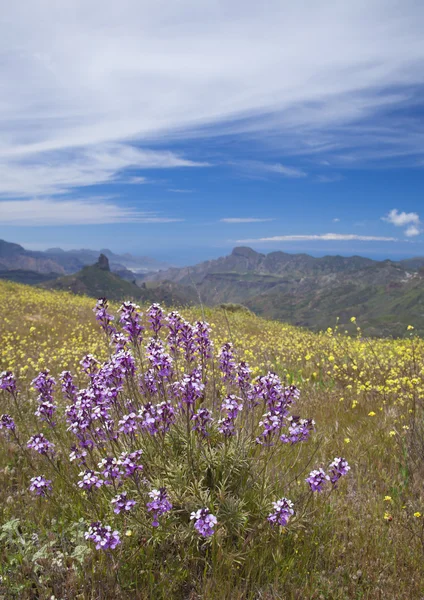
55,260
303,290
98,281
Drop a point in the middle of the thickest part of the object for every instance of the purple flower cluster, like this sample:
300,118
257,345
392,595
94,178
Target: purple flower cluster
40,444
231,406
190,389
244,376
121,503
156,318
89,480
6,422
299,430
130,462
156,418
277,400
317,479
90,365
68,387
203,340
40,486
131,322
44,384
338,468
283,510
103,317
204,522
102,536
201,420
111,469
8,382
159,359
227,363
159,504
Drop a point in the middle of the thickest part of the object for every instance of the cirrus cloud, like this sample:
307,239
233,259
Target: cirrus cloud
86,211
336,237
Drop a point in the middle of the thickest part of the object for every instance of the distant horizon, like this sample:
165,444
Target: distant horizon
201,255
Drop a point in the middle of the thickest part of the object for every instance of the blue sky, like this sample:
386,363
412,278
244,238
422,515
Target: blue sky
180,130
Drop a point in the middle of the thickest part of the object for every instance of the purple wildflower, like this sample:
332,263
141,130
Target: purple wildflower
6,422
244,375
187,340
317,479
159,359
128,424
68,387
283,510
227,363
174,322
204,522
90,365
338,468
148,383
8,382
159,505
122,503
89,480
201,420
40,444
232,406
130,462
103,317
110,468
203,341
102,536
44,384
40,486
299,430
189,389
77,455
156,317
131,321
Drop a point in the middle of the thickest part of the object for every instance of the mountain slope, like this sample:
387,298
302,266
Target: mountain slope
386,296
98,281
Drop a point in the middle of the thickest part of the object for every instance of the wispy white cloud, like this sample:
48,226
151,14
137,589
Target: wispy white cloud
100,75
336,220
245,220
410,220
336,237
179,191
329,178
51,173
284,170
87,211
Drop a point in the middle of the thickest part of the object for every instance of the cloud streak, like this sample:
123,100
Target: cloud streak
53,173
87,211
245,220
336,237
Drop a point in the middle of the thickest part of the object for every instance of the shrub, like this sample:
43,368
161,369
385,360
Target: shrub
177,462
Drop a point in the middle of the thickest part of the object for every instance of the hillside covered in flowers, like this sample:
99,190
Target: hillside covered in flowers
146,453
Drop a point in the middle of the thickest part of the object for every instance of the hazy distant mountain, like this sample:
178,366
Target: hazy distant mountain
98,281
14,257
386,296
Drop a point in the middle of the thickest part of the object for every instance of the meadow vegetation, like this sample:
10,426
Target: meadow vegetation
204,461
